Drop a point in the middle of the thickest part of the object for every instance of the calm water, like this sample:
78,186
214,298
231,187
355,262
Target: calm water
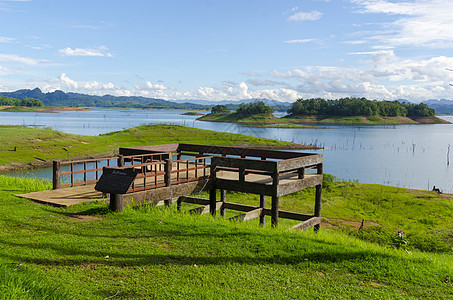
413,156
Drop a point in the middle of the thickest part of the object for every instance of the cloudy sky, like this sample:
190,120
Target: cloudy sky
230,49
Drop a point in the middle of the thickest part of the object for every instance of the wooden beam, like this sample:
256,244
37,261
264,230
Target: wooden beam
205,209
309,180
193,200
248,215
241,151
239,207
299,162
266,211
153,196
313,221
244,163
245,187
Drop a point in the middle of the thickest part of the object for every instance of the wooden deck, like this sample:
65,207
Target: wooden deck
163,174
65,197
75,195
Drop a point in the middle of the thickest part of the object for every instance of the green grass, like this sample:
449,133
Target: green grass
35,144
159,253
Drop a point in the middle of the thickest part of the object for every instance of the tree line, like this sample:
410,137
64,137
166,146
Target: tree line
359,107
30,102
245,109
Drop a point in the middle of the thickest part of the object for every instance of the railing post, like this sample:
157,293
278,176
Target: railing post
120,161
263,206
318,197
212,191
222,198
56,174
167,170
275,199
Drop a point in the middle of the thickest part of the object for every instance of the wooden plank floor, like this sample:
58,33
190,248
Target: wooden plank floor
66,196
74,195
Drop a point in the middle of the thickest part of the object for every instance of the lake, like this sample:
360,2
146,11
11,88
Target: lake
411,156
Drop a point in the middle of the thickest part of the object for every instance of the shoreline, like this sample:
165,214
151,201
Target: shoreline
326,120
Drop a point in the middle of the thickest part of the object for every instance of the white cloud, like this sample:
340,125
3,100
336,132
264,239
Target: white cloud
100,51
19,59
150,87
68,82
299,41
5,39
382,75
305,16
419,23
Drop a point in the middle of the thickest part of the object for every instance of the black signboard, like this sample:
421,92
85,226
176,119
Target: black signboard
116,181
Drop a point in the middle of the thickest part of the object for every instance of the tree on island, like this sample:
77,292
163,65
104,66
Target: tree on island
219,109
359,107
254,108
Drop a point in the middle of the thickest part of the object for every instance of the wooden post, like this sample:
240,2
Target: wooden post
222,198
212,191
242,172
262,205
275,199
56,174
116,202
167,170
318,198
301,173
212,201
120,161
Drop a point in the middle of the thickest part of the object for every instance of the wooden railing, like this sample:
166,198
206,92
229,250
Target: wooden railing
88,171
153,170
82,167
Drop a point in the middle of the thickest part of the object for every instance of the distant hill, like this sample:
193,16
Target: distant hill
60,98
442,106
266,101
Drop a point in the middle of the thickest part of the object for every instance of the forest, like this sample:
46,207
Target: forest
359,107
29,102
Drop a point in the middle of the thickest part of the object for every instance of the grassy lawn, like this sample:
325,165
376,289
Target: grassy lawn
87,252
38,144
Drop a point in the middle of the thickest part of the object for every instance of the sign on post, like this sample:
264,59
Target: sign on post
115,181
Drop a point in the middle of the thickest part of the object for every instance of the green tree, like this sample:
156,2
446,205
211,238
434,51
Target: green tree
219,109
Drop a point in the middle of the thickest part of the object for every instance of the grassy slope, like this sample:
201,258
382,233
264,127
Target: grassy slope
159,253
33,144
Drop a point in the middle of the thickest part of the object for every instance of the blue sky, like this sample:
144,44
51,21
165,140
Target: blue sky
217,50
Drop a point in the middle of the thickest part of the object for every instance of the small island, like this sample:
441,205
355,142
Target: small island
345,111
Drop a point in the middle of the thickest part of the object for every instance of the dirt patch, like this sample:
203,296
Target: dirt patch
85,143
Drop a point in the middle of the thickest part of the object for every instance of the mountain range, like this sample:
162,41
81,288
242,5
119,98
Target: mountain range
60,98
